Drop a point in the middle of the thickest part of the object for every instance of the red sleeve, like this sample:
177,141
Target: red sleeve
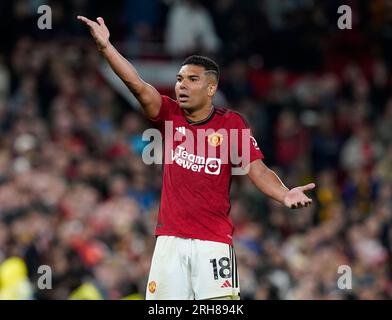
248,149
166,112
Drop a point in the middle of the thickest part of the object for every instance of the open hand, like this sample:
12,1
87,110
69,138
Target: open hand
296,198
98,30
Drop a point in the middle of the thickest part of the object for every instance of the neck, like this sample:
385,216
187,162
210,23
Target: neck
198,115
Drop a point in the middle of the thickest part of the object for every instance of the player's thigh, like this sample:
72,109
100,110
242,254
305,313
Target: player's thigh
214,271
169,276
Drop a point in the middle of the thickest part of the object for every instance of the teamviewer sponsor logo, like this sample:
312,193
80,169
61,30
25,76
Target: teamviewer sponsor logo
213,166
195,163
187,160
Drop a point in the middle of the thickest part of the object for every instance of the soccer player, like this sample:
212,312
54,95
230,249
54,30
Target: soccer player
193,256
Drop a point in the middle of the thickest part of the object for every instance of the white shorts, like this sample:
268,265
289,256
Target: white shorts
187,269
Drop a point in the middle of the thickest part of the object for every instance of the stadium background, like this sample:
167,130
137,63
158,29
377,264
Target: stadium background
75,194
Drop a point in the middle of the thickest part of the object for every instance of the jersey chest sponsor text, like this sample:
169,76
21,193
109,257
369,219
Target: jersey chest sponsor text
195,163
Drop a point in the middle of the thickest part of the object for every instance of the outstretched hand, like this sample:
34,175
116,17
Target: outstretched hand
296,198
98,30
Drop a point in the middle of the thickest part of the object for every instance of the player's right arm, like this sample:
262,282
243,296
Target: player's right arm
146,94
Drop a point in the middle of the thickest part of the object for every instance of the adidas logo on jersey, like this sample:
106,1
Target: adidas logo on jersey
181,130
226,284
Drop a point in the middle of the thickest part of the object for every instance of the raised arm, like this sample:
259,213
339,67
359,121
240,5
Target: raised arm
145,93
269,183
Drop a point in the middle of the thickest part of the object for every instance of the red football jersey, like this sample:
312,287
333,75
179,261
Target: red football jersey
198,164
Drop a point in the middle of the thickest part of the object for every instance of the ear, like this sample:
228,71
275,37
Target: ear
212,87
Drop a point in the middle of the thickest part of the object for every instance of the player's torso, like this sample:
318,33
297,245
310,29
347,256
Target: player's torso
198,153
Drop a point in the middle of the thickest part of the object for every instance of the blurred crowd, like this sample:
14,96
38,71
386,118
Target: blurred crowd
75,194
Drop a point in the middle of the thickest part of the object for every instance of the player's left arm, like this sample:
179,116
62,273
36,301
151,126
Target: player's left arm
270,184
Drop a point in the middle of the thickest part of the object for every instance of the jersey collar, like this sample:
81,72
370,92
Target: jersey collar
200,122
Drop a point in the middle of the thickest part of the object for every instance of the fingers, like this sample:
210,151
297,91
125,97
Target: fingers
84,19
309,186
101,21
301,204
89,22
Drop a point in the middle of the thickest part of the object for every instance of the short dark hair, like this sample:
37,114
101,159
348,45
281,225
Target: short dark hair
208,64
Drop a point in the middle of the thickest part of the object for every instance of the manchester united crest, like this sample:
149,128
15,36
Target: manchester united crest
215,139
152,286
